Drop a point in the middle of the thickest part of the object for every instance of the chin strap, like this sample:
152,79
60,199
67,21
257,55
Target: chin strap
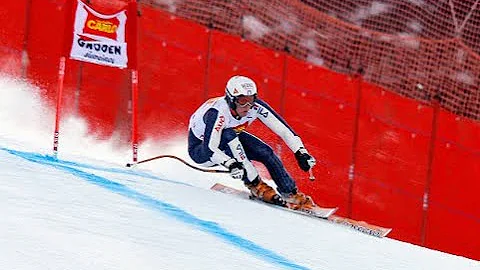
235,114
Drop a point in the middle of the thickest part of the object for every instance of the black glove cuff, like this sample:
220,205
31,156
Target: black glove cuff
235,165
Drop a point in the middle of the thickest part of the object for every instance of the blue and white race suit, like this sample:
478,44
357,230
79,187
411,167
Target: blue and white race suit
216,136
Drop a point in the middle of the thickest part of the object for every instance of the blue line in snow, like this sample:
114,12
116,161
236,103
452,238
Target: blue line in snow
163,207
53,160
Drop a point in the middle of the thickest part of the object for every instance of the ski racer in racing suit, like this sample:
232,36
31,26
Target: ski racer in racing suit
217,136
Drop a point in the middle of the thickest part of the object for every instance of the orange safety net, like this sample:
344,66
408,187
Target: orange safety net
422,49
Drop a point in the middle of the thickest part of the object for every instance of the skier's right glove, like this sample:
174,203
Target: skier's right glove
304,159
237,171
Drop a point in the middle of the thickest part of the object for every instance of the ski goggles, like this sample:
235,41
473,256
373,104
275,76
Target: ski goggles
244,101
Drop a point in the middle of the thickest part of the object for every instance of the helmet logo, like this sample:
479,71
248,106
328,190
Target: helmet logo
247,85
235,91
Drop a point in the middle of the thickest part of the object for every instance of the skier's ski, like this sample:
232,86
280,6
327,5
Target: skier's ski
318,212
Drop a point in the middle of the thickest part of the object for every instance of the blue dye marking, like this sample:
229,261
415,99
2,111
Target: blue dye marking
52,160
160,206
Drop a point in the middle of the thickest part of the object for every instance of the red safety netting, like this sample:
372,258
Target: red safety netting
418,48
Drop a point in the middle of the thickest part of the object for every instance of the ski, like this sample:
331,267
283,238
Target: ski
318,212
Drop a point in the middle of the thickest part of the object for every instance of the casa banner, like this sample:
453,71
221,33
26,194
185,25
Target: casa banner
99,38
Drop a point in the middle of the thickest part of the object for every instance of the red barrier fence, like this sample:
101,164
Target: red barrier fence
382,158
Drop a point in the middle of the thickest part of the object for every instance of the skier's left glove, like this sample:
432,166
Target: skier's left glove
304,159
237,171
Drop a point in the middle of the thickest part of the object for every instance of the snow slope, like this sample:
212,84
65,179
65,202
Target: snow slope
85,210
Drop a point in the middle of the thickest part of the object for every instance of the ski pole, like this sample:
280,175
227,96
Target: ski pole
312,177
179,159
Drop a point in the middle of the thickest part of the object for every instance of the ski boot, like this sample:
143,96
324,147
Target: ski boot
264,192
299,201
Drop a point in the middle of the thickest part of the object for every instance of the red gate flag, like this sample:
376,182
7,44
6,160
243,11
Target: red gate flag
99,38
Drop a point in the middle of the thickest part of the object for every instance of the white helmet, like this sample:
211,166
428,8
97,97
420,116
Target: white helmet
239,86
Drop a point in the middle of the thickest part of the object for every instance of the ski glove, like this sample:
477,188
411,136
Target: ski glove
237,171
304,159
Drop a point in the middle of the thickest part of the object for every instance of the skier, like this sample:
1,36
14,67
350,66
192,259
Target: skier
217,136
